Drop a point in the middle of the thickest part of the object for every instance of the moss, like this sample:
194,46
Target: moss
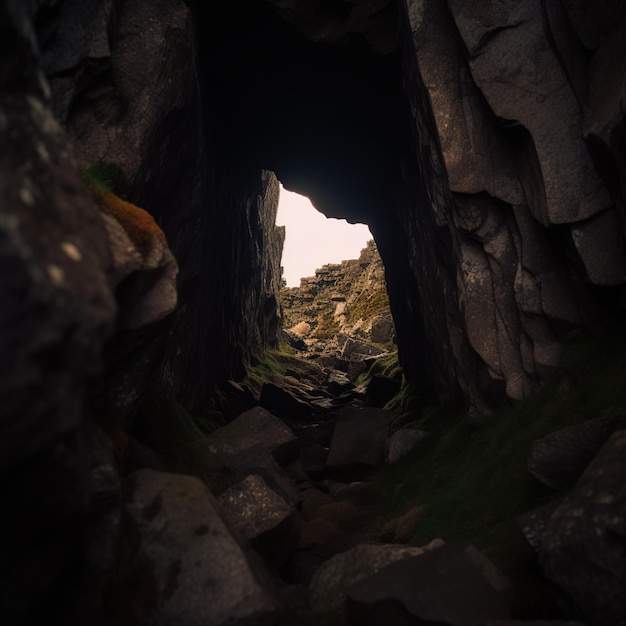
367,305
470,476
277,363
138,224
327,326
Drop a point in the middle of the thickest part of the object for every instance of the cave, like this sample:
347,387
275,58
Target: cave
141,148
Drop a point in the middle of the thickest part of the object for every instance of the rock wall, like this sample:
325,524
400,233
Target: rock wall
538,211
128,94
105,158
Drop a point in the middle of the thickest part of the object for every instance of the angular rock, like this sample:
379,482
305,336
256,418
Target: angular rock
284,403
382,330
330,582
293,339
583,547
345,515
359,438
402,442
452,586
260,462
196,571
263,518
561,457
338,383
355,349
324,539
254,427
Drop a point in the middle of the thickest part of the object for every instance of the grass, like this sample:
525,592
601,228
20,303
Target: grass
367,305
327,326
275,364
469,475
386,365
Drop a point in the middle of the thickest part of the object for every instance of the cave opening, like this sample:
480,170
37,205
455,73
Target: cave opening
329,112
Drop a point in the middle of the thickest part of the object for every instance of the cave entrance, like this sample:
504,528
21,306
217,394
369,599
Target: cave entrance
329,113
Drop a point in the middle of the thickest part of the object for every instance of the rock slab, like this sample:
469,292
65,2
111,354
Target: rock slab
452,585
263,518
199,574
254,427
583,546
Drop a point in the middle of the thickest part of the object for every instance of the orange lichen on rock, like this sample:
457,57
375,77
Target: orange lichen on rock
139,224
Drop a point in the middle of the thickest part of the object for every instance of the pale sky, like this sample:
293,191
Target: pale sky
312,239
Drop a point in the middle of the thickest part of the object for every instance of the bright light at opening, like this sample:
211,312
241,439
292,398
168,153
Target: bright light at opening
312,240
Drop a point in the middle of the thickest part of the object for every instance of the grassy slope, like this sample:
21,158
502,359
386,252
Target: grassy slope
469,475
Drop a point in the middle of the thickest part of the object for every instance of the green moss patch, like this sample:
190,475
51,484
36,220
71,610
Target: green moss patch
277,363
367,305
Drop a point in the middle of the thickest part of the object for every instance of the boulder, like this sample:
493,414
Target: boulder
259,461
324,539
382,330
338,383
583,547
359,438
345,515
263,518
185,554
355,349
561,457
284,403
293,339
453,585
254,427
330,582
402,442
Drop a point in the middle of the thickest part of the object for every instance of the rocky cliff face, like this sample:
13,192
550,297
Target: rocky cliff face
341,315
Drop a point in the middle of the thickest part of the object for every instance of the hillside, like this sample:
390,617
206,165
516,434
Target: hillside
340,317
